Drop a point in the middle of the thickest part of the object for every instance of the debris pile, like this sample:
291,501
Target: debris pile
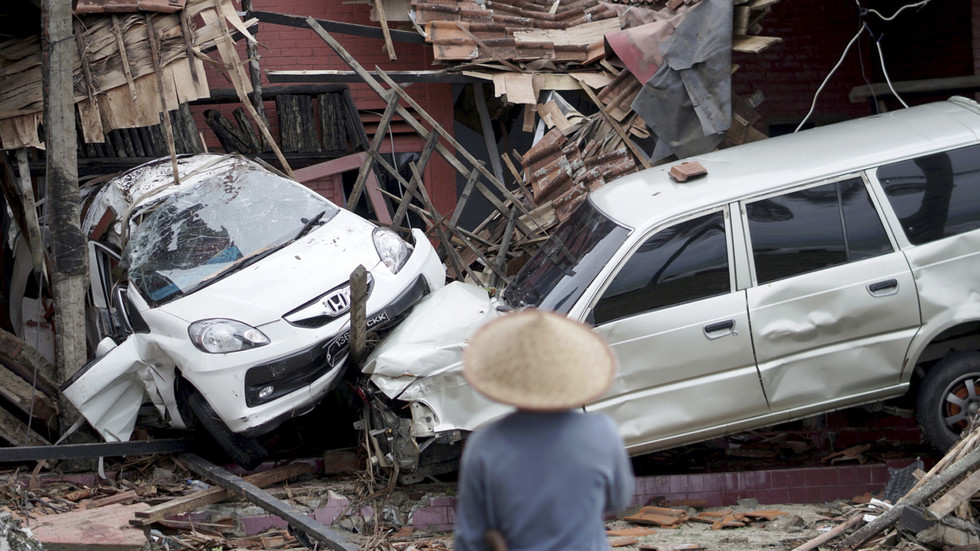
935,510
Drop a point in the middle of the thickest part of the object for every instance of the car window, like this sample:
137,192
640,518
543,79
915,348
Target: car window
557,275
936,195
682,263
807,230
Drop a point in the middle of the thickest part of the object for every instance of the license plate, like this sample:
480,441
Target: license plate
338,347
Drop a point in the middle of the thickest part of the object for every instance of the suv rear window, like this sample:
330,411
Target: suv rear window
937,195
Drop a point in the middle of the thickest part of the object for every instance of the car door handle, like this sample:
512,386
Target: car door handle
883,288
720,329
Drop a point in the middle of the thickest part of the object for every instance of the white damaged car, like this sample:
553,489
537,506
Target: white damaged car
801,274
223,300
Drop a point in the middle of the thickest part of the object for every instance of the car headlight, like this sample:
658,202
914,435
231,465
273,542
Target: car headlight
219,336
392,249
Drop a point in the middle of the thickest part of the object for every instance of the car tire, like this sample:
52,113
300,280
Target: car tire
245,451
948,398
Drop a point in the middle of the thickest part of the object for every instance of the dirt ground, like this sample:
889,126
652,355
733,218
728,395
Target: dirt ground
801,523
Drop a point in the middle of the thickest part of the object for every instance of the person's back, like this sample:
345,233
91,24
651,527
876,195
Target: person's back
541,477
543,481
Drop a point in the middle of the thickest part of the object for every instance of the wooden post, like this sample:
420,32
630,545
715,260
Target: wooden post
254,73
69,244
358,315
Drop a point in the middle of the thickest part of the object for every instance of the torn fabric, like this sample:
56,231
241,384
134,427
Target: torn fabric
687,102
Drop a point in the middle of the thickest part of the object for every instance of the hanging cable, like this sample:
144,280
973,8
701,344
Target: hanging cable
813,105
884,71
894,15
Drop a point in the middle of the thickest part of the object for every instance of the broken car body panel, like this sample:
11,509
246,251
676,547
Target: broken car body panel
235,283
420,360
802,274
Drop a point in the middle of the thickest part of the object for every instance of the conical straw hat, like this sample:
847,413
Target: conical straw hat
539,361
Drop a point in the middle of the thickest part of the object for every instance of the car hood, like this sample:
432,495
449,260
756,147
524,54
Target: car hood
287,279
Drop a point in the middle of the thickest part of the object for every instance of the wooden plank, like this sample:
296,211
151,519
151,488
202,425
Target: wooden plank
196,500
410,37
969,83
158,69
25,397
952,499
385,31
17,432
489,136
330,537
102,529
753,44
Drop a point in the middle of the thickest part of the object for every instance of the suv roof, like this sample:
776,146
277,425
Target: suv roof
770,164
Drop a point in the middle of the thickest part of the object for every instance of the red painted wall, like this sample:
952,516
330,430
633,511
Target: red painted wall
931,42
287,48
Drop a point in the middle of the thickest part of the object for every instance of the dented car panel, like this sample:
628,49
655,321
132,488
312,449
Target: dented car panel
805,273
420,360
232,284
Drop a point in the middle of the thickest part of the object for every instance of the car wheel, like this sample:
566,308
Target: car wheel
948,398
245,451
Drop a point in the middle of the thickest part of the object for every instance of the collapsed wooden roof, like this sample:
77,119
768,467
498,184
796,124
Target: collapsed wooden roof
124,75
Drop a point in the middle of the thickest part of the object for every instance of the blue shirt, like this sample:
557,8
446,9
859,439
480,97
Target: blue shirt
543,480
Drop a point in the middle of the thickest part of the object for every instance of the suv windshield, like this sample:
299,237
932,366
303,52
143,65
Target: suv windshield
557,275
196,236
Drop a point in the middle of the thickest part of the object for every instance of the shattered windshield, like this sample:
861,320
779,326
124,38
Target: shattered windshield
229,220
557,275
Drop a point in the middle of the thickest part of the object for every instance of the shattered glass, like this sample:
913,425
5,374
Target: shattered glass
195,237
566,264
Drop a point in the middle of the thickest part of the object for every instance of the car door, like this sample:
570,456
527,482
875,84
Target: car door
834,307
681,335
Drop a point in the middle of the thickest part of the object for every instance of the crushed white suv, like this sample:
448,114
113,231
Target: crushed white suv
805,273
222,298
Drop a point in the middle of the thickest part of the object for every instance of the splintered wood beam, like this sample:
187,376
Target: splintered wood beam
331,538
226,48
16,432
415,124
619,130
488,134
463,197
406,199
352,29
383,20
196,500
123,55
505,245
953,498
447,244
164,114
379,136
914,497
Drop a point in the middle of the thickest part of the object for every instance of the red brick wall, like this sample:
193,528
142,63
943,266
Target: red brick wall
931,42
287,48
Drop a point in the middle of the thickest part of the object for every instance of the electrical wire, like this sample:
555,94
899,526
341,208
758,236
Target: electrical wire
894,15
881,56
813,104
884,71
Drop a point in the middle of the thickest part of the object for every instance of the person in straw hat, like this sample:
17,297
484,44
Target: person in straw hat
541,477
